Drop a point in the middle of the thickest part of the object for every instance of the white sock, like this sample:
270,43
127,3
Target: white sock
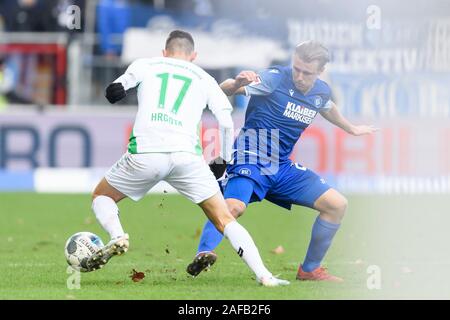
243,243
107,214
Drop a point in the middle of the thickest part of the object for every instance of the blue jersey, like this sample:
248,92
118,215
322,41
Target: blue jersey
277,114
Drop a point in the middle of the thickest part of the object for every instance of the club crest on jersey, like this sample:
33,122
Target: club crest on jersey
245,171
291,92
318,101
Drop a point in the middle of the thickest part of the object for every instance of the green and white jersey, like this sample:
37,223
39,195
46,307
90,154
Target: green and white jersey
172,94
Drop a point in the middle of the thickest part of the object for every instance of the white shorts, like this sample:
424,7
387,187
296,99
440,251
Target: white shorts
135,174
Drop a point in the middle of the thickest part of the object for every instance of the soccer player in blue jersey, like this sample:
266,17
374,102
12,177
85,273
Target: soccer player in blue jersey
284,101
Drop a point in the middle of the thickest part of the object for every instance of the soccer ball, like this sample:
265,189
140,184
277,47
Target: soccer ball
80,247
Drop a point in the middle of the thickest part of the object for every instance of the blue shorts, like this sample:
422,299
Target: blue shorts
291,184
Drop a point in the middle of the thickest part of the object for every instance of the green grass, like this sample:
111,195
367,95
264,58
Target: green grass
164,232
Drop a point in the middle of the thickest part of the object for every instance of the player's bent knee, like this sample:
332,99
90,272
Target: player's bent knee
105,189
99,192
341,206
95,194
237,212
337,207
236,207
332,204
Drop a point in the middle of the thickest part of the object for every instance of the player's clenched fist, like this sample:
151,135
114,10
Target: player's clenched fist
115,92
246,77
218,167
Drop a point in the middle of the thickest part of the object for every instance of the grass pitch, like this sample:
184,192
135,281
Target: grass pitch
164,232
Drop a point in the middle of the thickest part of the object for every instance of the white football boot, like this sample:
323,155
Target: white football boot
272,281
115,247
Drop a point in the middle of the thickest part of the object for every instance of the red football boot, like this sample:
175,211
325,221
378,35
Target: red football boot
319,274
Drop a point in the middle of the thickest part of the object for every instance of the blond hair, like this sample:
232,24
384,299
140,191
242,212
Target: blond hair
311,50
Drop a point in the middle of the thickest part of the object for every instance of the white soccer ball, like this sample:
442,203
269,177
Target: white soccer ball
80,247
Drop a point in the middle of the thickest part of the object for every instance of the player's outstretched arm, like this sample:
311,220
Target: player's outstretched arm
219,165
335,117
117,90
236,85
219,104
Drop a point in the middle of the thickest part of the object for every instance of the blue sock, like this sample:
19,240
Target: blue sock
321,237
210,238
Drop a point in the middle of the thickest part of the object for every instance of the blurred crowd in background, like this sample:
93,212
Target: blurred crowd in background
390,66
34,71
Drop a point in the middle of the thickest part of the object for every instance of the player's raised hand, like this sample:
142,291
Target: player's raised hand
363,129
245,78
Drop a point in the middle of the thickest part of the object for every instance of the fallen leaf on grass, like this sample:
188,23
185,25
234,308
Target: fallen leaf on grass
278,250
137,276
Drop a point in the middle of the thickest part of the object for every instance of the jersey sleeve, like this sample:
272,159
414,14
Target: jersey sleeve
221,107
132,76
269,80
326,104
